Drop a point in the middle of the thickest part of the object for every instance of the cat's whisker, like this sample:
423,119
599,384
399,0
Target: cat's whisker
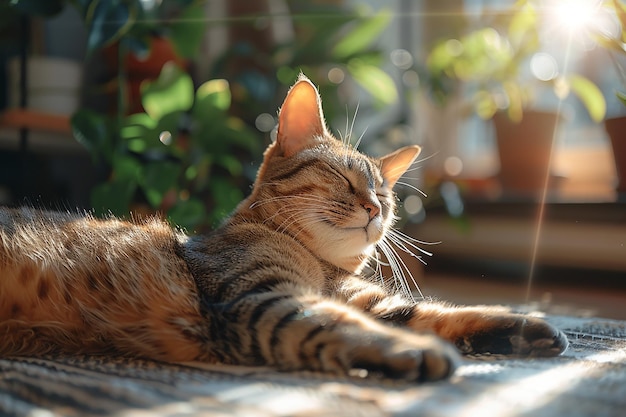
412,187
358,142
393,171
286,210
304,222
402,246
297,217
356,111
408,238
401,240
346,139
283,198
378,264
404,177
424,159
293,196
415,168
399,269
289,204
412,239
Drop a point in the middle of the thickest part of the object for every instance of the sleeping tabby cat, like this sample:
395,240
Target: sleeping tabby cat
277,285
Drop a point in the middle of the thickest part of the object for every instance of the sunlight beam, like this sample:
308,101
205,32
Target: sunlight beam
539,388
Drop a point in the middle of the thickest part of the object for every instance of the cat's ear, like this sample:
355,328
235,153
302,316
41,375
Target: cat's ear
394,165
301,122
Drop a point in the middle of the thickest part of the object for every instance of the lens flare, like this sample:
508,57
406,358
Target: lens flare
576,15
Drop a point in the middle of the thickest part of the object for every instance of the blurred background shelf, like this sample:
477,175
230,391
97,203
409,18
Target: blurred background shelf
36,120
41,163
44,132
584,235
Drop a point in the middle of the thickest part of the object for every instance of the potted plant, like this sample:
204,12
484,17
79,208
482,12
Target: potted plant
615,45
137,38
490,63
183,157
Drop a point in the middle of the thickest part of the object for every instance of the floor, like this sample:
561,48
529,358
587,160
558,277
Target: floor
589,379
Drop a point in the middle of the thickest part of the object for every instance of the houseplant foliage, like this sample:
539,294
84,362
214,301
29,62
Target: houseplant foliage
489,62
326,36
134,23
179,156
30,8
615,127
130,21
616,45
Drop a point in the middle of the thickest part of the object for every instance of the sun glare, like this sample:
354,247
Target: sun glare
576,15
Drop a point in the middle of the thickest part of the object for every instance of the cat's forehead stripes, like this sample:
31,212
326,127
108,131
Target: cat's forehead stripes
294,169
349,164
357,163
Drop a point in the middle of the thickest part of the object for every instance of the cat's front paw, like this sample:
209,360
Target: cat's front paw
514,334
414,359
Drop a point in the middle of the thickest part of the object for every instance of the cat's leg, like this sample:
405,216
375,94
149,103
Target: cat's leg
284,327
488,329
472,329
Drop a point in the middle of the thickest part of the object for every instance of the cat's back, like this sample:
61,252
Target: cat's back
78,274
65,243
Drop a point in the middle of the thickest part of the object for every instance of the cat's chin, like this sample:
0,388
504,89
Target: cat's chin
348,248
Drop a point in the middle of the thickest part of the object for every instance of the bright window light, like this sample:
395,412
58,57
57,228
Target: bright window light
576,15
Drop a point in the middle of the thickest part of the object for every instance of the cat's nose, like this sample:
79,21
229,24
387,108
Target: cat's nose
371,208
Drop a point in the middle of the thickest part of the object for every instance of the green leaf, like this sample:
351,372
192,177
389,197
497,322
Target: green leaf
443,55
610,44
170,122
213,93
590,95
516,100
621,96
172,91
362,35
187,213
374,80
484,105
91,130
127,168
138,125
225,195
523,24
114,197
187,31
158,179
620,11
107,21
231,163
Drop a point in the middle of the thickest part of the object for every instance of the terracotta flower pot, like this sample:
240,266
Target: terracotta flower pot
616,129
524,150
139,69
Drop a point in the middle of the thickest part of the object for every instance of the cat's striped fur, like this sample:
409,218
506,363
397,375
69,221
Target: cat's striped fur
278,284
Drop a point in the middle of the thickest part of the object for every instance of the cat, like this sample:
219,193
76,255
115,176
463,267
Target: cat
278,284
